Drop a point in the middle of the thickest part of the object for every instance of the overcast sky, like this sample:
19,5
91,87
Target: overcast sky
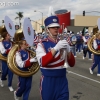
28,6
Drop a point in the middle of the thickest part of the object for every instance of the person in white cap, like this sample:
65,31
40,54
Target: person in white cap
53,83
73,41
79,41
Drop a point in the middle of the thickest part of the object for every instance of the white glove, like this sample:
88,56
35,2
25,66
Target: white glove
61,45
33,59
68,48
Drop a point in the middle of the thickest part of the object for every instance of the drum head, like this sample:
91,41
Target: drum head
10,27
28,31
98,23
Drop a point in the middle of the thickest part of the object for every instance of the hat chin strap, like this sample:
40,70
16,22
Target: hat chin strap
50,33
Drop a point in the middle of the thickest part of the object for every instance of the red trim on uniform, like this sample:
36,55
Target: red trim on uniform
45,60
7,51
71,60
98,47
56,65
27,63
55,59
85,42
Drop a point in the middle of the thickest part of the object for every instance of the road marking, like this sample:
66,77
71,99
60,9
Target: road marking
84,77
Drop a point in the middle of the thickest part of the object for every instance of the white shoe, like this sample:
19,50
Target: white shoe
90,59
1,83
75,56
15,97
83,57
98,74
11,89
91,72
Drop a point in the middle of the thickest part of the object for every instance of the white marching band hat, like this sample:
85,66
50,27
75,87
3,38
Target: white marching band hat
10,27
77,32
52,20
28,31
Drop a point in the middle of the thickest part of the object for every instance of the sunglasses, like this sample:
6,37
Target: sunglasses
55,27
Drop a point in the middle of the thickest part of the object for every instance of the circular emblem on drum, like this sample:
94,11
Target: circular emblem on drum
54,20
29,31
10,26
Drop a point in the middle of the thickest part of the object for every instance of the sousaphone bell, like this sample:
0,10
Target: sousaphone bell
90,41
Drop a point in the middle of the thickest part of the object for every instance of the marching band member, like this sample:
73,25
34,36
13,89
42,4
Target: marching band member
24,62
96,46
85,48
5,47
79,41
73,44
53,83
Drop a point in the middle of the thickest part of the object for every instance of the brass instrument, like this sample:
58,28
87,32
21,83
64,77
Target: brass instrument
13,66
95,30
2,29
90,41
18,35
11,58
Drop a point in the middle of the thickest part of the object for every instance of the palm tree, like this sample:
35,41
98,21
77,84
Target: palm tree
19,16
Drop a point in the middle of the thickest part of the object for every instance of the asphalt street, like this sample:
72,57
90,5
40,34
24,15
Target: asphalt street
82,85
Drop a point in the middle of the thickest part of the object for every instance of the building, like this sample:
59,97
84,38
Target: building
37,25
79,22
76,25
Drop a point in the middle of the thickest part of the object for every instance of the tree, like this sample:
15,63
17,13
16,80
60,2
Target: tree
19,16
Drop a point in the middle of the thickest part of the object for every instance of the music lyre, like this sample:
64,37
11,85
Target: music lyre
61,38
62,50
